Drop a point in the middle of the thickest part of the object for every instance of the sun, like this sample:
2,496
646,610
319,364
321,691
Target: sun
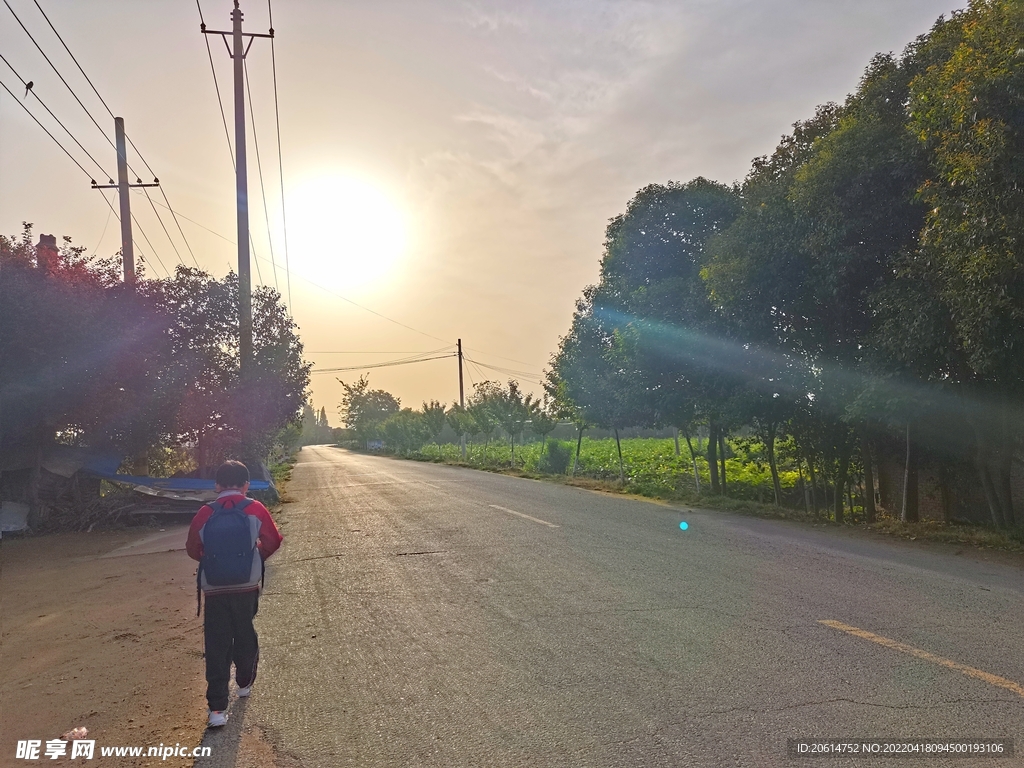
345,233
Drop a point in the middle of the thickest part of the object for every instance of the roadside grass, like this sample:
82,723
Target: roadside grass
977,536
281,473
655,472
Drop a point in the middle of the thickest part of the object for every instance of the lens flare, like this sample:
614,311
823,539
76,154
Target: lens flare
684,525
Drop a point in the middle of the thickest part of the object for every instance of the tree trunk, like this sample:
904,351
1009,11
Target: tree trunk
1005,489
814,488
910,512
869,480
675,436
841,478
721,456
803,487
770,442
990,495
579,443
946,494
693,459
618,447
713,457
981,460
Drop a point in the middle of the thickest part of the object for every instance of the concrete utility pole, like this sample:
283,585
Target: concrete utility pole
238,51
122,187
462,401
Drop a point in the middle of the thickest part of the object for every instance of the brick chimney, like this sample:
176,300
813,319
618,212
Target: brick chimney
46,253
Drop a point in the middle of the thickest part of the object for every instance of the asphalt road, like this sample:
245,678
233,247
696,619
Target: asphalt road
423,615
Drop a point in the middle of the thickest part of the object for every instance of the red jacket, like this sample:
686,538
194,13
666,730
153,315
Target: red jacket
269,537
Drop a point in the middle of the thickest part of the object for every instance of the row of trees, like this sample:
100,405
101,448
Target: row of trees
90,361
864,283
374,414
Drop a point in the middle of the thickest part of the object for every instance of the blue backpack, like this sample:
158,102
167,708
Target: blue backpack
228,547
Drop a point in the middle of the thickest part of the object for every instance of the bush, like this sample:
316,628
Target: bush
556,457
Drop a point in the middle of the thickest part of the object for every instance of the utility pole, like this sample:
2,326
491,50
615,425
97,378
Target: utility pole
122,187
238,51
462,401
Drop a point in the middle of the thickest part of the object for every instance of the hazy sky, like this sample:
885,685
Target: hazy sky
449,165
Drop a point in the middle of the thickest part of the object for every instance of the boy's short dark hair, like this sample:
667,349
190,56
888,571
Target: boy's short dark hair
232,474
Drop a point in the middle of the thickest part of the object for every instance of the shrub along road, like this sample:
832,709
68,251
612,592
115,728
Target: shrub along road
429,615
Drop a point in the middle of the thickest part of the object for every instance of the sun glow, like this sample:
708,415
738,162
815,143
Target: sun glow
345,233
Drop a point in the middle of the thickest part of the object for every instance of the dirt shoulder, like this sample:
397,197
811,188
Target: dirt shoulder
99,630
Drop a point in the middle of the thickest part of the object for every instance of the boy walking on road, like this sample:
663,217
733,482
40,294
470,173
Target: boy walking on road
231,537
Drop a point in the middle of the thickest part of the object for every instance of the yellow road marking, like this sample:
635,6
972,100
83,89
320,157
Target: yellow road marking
978,674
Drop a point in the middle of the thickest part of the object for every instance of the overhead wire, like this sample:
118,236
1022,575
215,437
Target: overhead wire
259,167
324,288
518,375
280,156
103,101
75,95
163,226
55,141
110,205
386,364
216,86
150,244
57,71
105,225
490,354
66,130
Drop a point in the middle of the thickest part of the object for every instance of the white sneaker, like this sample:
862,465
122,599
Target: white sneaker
243,692
217,719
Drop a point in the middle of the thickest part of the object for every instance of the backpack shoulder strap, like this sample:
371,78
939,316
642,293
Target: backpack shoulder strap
245,502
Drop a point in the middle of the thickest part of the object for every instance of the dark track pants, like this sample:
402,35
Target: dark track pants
229,637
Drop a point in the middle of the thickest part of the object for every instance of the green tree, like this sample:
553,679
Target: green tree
435,418
404,431
363,410
966,109
542,420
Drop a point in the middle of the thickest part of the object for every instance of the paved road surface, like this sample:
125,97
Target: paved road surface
422,615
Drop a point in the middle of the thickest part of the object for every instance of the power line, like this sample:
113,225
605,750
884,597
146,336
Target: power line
280,157
54,67
68,132
216,86
18,101
259,166
111,113
151,248
414,357
137,152
71,55
105,224
201,226
514,374
383,365
489,354
163,226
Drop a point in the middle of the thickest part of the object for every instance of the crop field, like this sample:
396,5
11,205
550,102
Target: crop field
651,464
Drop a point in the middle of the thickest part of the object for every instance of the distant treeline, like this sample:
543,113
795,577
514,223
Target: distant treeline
860,293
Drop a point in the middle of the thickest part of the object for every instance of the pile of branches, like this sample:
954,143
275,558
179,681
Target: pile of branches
110,510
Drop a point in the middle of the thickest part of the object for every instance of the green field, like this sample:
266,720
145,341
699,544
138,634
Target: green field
651,466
